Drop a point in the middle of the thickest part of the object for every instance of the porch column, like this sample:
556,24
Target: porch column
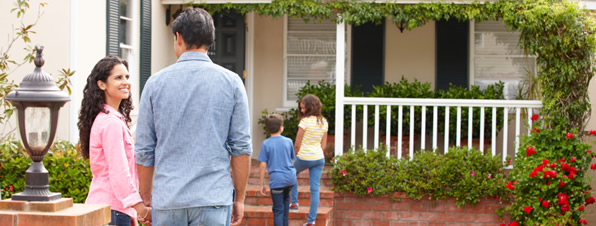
340,55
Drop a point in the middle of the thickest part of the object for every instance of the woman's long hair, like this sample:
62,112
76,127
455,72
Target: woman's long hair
94,99
312,106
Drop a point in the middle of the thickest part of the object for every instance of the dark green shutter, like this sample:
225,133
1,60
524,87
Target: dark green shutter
112,27
145,48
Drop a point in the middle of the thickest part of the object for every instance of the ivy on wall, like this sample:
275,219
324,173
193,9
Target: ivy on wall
558,32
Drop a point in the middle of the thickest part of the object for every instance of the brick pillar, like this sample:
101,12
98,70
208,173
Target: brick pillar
58,212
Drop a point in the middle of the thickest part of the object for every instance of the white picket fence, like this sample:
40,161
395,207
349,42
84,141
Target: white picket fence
508,107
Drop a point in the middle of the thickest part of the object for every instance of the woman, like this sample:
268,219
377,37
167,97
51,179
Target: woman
108,144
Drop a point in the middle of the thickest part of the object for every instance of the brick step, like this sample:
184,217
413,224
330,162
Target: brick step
326,196
303,178
263,216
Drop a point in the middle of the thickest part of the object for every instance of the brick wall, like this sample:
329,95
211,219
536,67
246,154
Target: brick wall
351,210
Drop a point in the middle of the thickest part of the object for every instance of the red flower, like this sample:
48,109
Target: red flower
571,175
590,200
513,223
473,173
563,199
572,159
565,167
565,208
343,172
545,204
583,221
536,130
528,209
534,117
592,132
569,135
581,208
369,189
593,166
550,174
10,188
511,187
561,184
530,151
545,162
553,165
533,173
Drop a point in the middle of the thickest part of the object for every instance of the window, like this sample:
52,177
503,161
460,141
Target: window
309,55
126,34
496,56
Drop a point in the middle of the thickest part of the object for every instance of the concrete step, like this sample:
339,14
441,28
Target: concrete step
263,216
326,196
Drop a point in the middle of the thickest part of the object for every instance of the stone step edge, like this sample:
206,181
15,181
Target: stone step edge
324,192
251,211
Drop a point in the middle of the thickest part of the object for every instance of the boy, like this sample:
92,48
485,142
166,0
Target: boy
277,153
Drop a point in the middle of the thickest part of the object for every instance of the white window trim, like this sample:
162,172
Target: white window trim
133,48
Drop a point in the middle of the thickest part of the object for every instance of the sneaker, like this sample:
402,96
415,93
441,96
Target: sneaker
308,224
294,206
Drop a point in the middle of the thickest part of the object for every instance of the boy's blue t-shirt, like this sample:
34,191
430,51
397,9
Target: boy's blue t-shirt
278,153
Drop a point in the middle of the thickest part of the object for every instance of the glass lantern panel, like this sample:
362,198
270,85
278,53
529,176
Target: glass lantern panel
37,126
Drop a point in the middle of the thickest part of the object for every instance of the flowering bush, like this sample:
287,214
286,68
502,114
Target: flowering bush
548,183
69,172
465,174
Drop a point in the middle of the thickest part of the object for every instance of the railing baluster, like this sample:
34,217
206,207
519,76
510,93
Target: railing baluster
435,125
412,122
399,130
505,124
353,132
470,125
388,133
517,126
481,129
364,127
493,141
446,129
458,128
376,141
529,121
423,129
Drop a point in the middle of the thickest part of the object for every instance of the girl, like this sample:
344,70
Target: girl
108,144
310,142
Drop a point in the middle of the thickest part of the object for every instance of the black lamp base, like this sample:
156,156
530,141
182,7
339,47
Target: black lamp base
37,186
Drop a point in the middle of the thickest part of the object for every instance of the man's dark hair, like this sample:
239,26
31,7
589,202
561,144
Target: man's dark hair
195,25
273,123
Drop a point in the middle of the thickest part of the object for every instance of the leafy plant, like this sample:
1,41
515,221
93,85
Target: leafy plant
549,182
69,173
465,174
290,123
492,92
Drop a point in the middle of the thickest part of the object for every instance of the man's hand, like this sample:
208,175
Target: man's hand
237,213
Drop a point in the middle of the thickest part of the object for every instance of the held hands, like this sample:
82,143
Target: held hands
263,190
146,218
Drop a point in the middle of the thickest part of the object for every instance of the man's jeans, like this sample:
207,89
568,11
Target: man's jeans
281,205
315,169
197,216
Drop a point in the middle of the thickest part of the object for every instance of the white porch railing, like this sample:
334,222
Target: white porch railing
506,106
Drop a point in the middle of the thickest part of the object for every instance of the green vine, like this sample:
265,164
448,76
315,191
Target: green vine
558,32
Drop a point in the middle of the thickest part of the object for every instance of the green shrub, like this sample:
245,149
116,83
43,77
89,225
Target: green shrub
69,172
465,174
549,181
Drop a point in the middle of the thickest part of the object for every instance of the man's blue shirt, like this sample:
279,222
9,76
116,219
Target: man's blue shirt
278,153
193,116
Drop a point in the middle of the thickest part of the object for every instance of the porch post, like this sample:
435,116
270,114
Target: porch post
340,55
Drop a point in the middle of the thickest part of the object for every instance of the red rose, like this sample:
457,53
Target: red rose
581,208
590,200
528,209
553,165
550,174
533,174
534,117
583,221
572,159
511,187
530,151
592,132
561,184
513,223
569,135
593,166
563,199
565,208
536,130
545,162
545,204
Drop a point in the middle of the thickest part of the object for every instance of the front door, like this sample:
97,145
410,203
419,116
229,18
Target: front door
228,50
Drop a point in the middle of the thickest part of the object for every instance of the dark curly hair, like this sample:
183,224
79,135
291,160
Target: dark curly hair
312,106
195,25
94,99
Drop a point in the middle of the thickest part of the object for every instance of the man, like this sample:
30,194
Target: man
193,116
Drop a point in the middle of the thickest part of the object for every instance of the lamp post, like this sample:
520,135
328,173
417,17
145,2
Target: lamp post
38,101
